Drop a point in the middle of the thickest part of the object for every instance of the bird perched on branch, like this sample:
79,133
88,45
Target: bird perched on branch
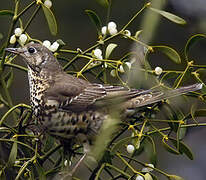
71,108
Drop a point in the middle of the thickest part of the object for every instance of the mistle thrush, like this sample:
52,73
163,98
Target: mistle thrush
69,107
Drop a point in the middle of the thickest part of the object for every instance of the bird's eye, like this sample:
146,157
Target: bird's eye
31,50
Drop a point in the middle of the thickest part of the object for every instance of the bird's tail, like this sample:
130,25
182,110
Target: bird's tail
156,96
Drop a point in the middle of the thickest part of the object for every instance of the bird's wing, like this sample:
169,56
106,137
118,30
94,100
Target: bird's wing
75,94
87,97
95,96
78,95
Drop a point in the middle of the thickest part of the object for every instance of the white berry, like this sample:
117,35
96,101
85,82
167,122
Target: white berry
48,3
12,39
130,148
104,30
65,163
98,53
112,25
54,46
152,167
139,177
23,38
113,73
18,32
47,44
17,162
127,32
112,31
158,71
121,69
148,169
129,65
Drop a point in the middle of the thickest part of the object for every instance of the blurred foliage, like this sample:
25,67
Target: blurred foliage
27,154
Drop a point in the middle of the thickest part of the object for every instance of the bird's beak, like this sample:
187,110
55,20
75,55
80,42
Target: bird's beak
13,50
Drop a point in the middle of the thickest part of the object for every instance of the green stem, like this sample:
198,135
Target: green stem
8,97
32,17
11,110
133,18
128,165
118,170
99,172
143,164
46,156
16,66
25,9
19,142
68,51
183,74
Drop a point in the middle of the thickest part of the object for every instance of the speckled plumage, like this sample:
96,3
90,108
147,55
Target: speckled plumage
71,108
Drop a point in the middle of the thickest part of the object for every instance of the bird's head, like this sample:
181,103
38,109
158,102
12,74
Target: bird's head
37,57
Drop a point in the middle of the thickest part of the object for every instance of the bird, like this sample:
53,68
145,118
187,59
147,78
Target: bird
71,108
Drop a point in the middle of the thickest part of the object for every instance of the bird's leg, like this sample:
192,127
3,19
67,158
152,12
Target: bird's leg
86,148
71,173
78,164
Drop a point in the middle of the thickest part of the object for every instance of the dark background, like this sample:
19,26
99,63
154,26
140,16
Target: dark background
75,28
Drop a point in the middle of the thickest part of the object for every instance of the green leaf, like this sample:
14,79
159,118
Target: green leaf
104,3
200,113
40,171
183,148
169,52
108,128
169,76
149,148
2,175
10,79
154,177
175,177
137,34
121,143
169,148
13,154
50,19
95,19
49,143
192,112
190,43
169,16
6,12
1,36
109,50
60,42
182,133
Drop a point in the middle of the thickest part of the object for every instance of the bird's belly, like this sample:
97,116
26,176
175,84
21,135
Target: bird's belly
69,125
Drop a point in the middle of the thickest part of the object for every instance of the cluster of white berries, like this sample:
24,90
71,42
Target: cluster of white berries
18,34
48,3
111,27
158,71
122,68
52,47
148,169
